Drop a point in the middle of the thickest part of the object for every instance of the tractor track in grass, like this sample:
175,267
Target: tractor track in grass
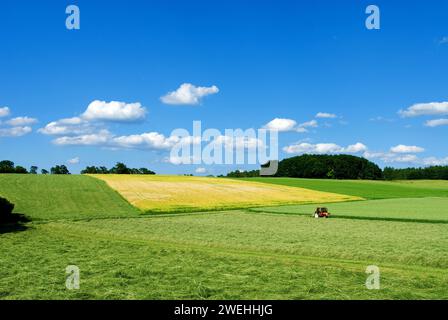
219,250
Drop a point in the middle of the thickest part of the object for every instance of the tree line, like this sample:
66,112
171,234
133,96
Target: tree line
119,168
427,173
7,166
345,167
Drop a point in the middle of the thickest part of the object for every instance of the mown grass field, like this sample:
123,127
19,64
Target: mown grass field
250,253
49,197
412,209
225,255
156,193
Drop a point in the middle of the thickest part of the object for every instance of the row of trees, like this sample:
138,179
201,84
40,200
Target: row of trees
119,168
427,173
7,166
243,174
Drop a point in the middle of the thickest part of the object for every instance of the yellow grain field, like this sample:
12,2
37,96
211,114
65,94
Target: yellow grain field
160,193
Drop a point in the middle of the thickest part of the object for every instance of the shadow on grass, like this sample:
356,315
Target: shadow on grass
13,223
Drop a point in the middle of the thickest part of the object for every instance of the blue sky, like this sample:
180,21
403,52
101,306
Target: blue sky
244,64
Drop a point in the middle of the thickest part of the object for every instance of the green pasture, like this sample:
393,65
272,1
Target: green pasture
412,209
365,188
49,197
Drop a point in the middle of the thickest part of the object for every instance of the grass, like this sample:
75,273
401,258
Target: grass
180,193
418,209
225,255
238,254
49,197
365,188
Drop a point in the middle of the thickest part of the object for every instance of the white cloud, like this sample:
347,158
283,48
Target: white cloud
201,170
114,111
309,124
96,112
176,160
15,131
73,161
283,125
425,109
237,142
390,157
188,94
325,115
151,140
4,112
69,126
104,138
433,161
436,123
279,124
324,148
95,139
406,149
355,148
21,121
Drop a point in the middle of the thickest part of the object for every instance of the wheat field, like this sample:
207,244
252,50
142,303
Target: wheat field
162,193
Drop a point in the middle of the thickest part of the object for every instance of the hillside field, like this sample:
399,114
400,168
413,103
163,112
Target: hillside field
157,193
365,188
272,252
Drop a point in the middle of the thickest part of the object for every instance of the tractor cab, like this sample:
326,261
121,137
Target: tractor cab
321,213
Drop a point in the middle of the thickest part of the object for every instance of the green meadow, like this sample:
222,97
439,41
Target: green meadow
405,209
252,253
365,188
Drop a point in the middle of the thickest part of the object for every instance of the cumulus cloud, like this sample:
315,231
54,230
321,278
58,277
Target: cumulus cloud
406,149
390,157
97,113
238,142
114,111
104,138
436,123
4,112
21,121
279,124
355,148
433,161
201,170
425,109
68,126
188,94
95,139
325,115
73,161
309,124
15,131
283,125
323,148
151,140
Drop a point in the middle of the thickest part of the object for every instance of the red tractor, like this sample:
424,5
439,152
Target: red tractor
321,213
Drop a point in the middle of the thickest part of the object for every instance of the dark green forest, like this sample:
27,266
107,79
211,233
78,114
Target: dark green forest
345,167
